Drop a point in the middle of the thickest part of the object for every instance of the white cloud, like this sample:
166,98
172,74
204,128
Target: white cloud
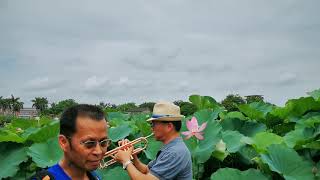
141,50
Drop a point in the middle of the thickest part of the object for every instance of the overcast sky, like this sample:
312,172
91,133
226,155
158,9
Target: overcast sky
142,50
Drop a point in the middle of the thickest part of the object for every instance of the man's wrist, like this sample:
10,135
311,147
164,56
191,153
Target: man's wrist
125,164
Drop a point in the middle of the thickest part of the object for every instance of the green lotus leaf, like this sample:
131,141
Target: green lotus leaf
232,174
247,128
247,154
116,173
152,148
23,175
256,110
315,94
283,128
317,170
298,137
42,134
45,154
296,107
11,156
142,124
8,136
234,115
288,163
264,139
233,140
118,116
312,121
206,115
192,144
120,132
23,123
204,102
313,145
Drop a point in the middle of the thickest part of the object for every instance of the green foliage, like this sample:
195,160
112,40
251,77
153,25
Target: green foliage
127,106
254,98
288,163
152,148
256,140
120,132
315,94
247,128
264,139
297,107
229,174
41,103
234,140
186,108
256,110
204,102
232,101
148,105
11,156
45,154
115,173
58,108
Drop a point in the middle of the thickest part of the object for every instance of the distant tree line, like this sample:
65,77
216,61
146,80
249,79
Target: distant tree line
12,105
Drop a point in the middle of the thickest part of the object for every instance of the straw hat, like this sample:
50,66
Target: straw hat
166,111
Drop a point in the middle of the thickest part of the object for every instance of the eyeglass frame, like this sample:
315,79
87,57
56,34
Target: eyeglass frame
152,123
85,143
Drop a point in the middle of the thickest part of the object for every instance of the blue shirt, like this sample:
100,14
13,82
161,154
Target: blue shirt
173,162
59,173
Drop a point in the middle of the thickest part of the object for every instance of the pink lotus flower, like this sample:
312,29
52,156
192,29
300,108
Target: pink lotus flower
194,129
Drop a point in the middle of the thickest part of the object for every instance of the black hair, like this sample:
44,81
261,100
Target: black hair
176,124
69,117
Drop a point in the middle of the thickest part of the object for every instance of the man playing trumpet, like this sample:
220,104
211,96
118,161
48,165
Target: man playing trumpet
173,161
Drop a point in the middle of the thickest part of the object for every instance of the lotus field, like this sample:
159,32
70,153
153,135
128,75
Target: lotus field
259,141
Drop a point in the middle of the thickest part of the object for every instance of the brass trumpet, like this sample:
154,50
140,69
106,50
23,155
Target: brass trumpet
105,163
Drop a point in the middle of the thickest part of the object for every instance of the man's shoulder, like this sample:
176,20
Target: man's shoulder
178,147
56,172
51,173
43,174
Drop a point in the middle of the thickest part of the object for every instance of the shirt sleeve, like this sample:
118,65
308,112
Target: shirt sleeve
167,166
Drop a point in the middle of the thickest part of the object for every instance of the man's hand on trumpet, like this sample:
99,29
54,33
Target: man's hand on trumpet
124,154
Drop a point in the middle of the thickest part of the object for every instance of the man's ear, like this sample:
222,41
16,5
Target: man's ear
64,143
171,126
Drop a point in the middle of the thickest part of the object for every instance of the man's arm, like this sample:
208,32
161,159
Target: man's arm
139,165
135,174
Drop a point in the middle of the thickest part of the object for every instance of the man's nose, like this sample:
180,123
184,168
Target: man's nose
98,150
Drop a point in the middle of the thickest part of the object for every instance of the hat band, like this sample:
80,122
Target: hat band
159,116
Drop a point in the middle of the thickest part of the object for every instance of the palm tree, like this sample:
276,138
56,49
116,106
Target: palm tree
5,105
41,103
1,104
15,104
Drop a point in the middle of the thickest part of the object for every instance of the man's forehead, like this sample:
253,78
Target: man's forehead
90,127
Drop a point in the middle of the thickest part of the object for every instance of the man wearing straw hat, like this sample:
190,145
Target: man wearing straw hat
173,161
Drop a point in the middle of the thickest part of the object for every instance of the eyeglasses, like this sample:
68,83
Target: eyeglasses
153,124
92,144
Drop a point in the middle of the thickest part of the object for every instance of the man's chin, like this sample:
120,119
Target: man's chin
91,166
